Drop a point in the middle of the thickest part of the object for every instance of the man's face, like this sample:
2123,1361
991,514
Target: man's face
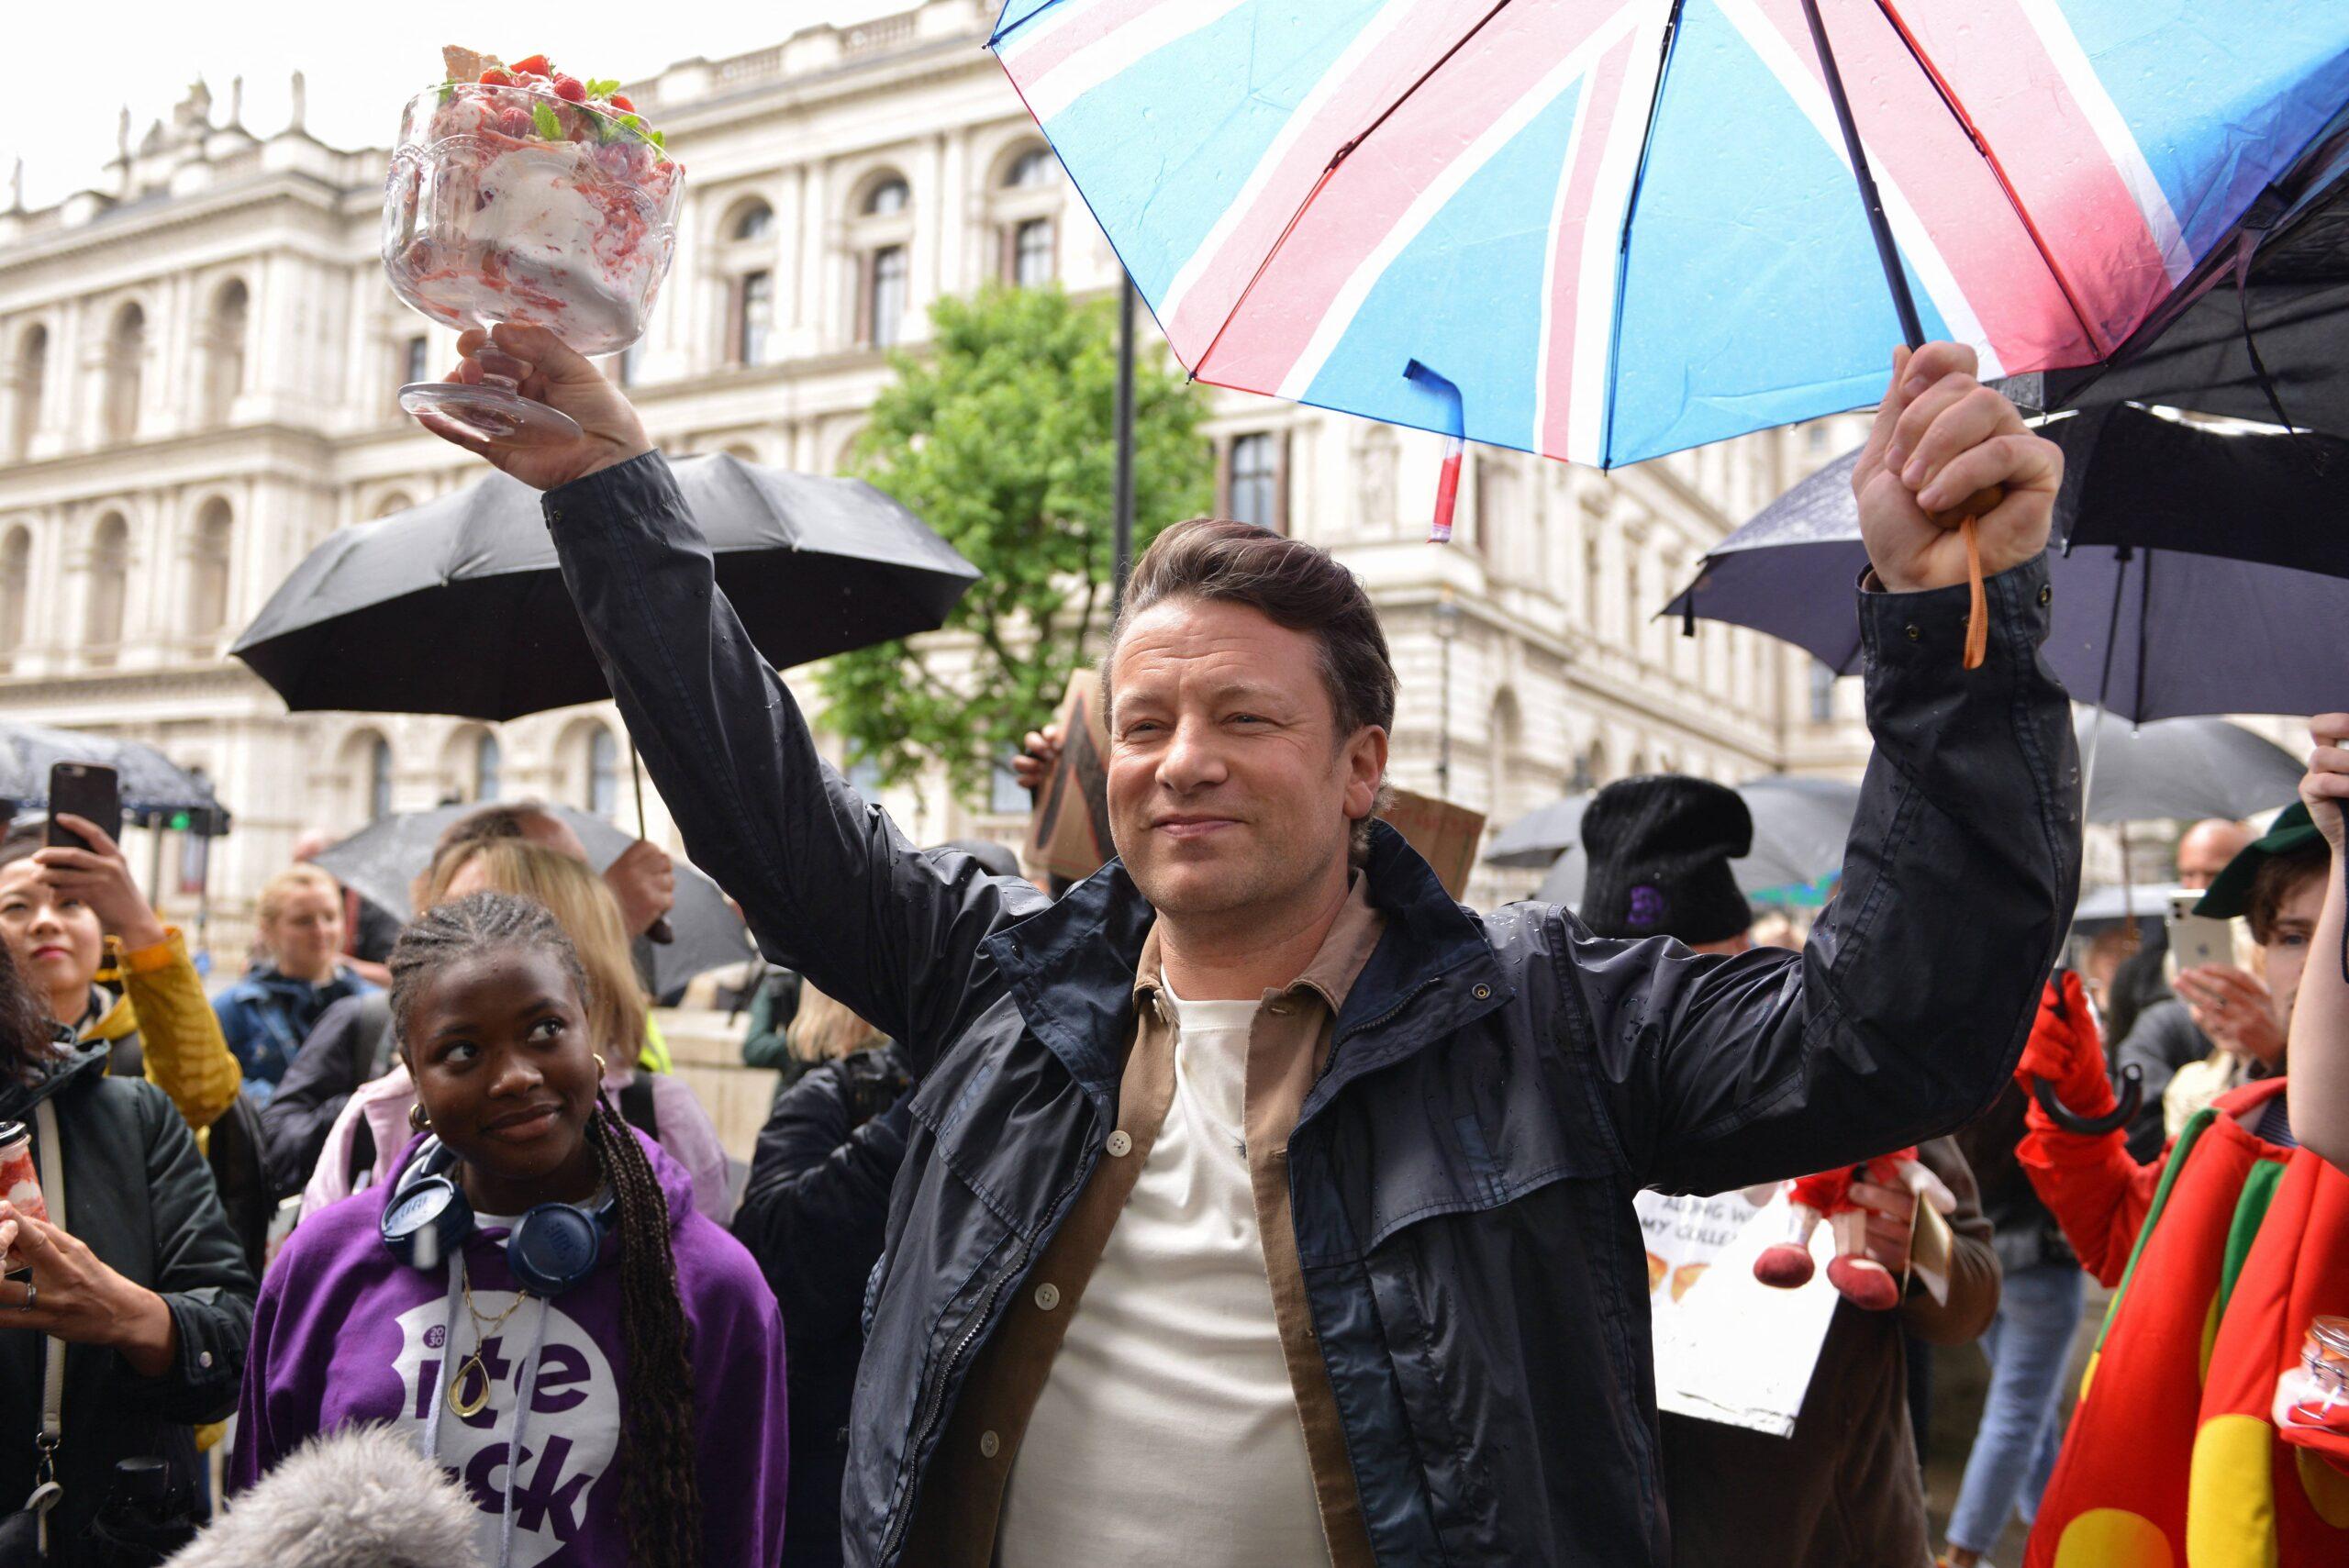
1229,788
2206,849
306,934
2285,950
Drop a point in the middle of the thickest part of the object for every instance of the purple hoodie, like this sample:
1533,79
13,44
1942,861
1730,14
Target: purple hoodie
346,1333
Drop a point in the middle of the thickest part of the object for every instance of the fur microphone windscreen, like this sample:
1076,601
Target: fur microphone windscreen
363,1497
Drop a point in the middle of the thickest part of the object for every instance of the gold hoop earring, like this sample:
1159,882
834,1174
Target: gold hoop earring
418,1118
602,1071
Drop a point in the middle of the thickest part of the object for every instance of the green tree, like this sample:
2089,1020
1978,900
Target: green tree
1000,437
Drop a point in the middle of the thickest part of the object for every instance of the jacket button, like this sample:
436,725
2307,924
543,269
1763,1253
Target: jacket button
204,1357
1120,1144
2046,592
989,1445
1048,1295
1915,634
1482,993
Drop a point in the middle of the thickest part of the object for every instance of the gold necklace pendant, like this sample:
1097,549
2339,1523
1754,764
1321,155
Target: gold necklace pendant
467,1406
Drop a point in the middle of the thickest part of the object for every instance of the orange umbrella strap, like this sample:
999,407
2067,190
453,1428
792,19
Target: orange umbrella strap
1978,611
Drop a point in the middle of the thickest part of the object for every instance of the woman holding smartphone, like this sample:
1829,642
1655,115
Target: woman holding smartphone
136,1273
72,913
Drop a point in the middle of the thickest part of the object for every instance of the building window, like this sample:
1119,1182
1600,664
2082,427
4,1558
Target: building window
752,310
1032,253
126,364
413,363
109,582
1005,795
885,317
1497,504
489,761
1593,565
224,351
1032,168
379,780
752,220
208,582
16,586
1256,479
881,241
1822,692
603,774
31,379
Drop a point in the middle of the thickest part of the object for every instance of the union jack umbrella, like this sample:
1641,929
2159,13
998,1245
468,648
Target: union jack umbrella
1604,230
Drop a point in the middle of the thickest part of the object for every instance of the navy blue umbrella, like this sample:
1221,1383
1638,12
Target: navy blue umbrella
2148,633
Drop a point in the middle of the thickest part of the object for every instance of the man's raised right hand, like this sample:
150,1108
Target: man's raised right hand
550,372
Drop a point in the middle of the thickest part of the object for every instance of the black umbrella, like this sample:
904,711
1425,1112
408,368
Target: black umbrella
384,860
2147,633
2260,331
154,789
2183,769
458,607
2139,479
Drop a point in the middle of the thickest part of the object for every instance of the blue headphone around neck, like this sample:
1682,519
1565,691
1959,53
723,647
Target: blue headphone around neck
554,1248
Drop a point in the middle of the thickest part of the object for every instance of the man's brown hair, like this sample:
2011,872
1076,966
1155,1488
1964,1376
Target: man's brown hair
1292,584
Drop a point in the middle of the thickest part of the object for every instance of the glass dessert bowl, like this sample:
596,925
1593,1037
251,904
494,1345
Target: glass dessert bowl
526,196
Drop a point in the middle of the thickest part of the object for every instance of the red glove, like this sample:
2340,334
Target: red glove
2064,1049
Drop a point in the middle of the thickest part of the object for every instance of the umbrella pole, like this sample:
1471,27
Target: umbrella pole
1912,327
660,932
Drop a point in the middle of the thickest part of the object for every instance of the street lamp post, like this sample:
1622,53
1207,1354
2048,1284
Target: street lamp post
1122,506
1447,627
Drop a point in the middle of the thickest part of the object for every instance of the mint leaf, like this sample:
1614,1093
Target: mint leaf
603,88
659,140
448,90
543,119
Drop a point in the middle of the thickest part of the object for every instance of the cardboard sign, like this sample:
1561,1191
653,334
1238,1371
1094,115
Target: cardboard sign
1729,1347
1445,835
1068,831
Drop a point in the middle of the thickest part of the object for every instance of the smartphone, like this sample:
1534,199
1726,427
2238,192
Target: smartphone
87,790
2196,941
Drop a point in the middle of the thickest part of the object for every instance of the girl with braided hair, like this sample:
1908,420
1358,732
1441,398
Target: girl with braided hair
533,1297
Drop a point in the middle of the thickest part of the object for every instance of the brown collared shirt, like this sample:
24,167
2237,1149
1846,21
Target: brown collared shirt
962,1499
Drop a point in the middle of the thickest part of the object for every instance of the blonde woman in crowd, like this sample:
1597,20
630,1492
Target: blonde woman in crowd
268,1014
373,1127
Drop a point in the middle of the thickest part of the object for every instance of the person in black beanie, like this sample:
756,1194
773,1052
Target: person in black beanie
1659,848
1844,1488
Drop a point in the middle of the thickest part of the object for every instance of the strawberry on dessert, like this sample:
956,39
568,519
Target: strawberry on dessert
523,193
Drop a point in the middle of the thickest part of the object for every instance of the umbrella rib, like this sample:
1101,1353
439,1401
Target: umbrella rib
1999,172
1344,152
1623,236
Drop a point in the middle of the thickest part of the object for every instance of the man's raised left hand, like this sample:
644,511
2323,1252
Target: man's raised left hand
1939,437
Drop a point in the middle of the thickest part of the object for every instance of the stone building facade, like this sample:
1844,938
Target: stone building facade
197,365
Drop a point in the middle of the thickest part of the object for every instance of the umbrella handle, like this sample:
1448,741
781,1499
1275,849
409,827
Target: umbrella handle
2132,1094
1977,616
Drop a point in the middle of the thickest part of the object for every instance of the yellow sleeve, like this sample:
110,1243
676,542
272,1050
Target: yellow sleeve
186,1054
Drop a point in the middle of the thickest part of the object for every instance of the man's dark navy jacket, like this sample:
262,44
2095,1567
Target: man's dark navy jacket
1500,1086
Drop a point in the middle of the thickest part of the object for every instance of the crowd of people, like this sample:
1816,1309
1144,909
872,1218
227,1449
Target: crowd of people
1251,1202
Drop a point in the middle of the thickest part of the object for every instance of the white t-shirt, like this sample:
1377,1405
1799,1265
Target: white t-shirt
1167,1433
